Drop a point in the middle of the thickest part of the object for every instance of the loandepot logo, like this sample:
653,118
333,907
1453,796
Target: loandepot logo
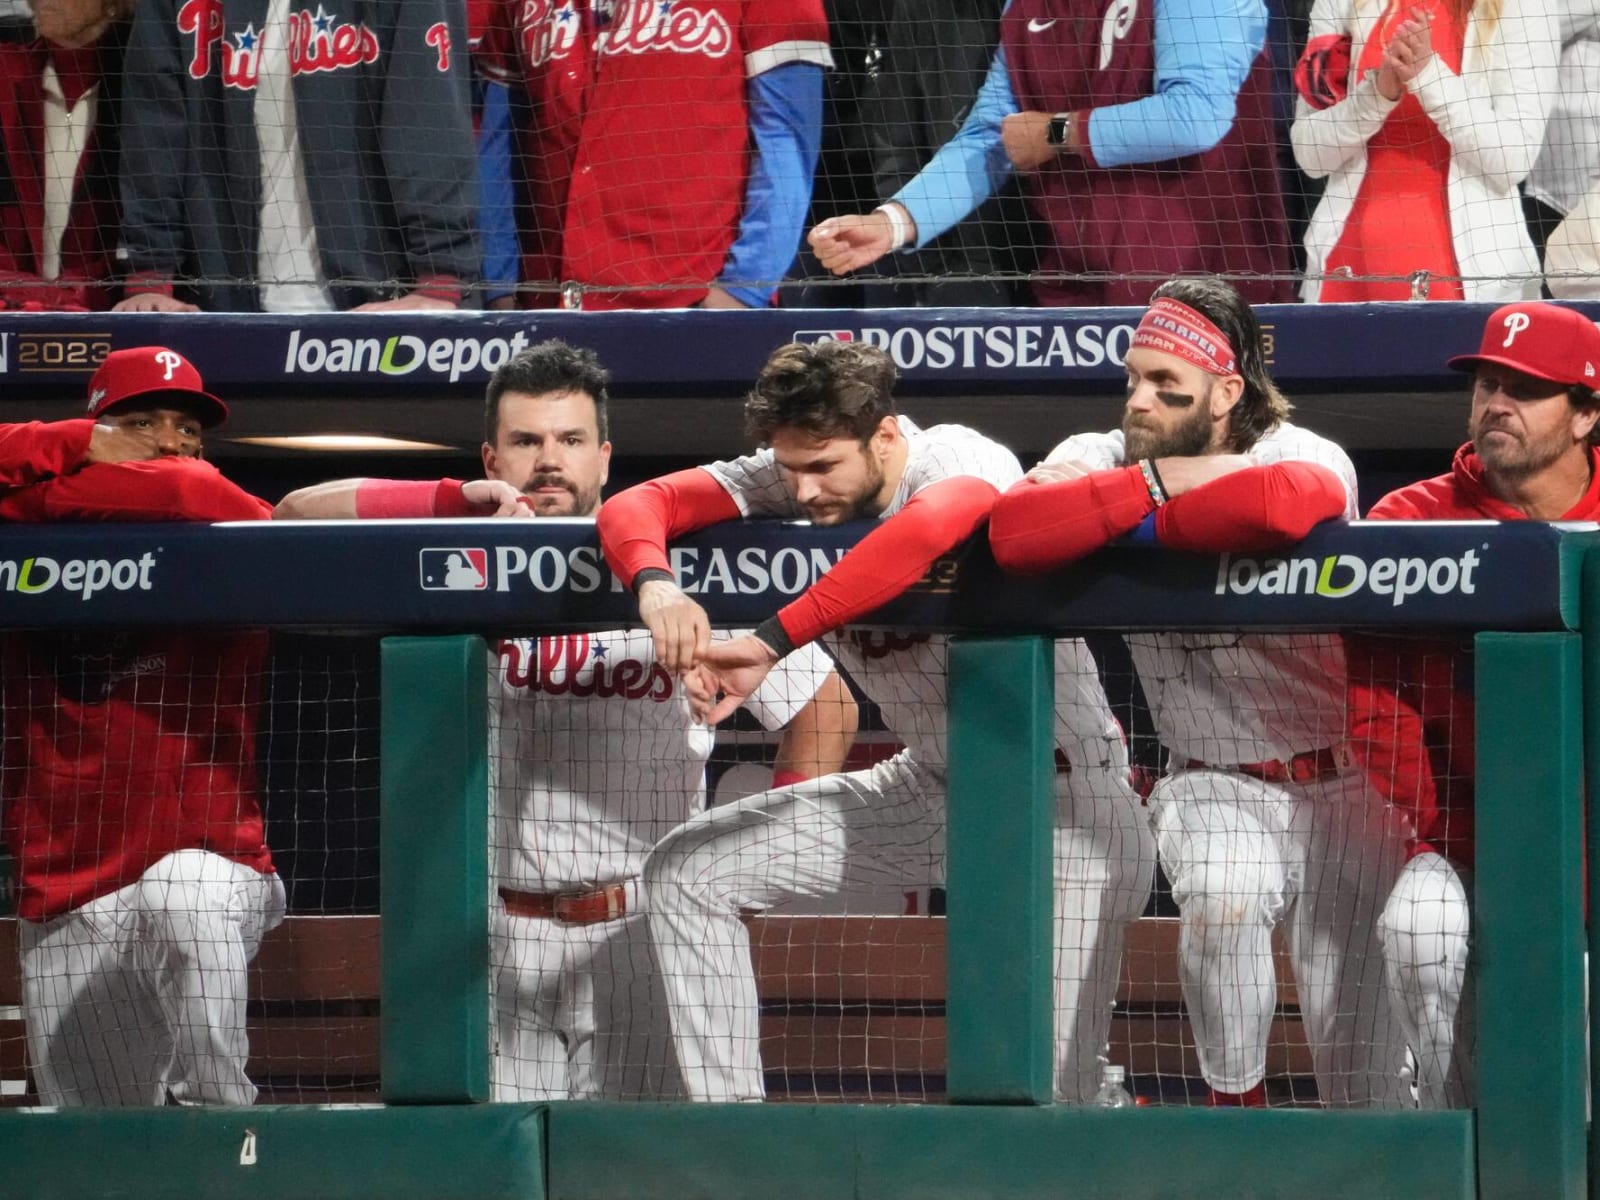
402,354
86,576
1339,575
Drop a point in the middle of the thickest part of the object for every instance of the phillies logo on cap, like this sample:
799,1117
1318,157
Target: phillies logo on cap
1515,323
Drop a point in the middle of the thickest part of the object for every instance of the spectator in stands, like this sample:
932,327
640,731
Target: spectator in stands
668,149
1424,116
59,84
1568,164
497,200
129,773
935,57
1262,818
1145,145
1532,457
598,753
1562,194
289,160
837,450
1572,256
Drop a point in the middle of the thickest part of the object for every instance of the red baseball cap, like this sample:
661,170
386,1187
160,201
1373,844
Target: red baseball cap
1542,340
150,372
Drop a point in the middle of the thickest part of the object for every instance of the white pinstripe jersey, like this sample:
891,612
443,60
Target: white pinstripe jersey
1229,698
904,671
593,756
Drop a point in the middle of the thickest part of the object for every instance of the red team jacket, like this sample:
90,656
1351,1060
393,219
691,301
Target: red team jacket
637,139
123,748
1411,699
1218,212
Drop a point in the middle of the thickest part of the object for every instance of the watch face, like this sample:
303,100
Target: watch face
1056,132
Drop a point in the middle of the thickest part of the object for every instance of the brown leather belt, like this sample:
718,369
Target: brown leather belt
1310,767
570,908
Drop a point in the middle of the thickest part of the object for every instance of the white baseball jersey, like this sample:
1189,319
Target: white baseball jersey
903,671
1226,698
594,755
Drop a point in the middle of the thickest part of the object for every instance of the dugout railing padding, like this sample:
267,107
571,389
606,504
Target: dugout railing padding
999,1136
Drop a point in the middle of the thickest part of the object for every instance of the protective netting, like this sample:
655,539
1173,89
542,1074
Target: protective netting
192,826
1261,853
250,154
789,943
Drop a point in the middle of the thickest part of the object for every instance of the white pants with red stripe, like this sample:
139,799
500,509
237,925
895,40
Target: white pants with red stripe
870,829
1426,928
1319,858
578,1011
140,994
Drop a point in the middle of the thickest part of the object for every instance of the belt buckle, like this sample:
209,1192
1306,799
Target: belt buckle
1305,768
590,908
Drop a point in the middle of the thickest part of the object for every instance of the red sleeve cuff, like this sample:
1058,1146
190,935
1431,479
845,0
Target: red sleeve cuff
411,498
147,283
440,287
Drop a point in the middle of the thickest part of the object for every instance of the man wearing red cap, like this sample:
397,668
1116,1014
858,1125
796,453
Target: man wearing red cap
144,404
1262,816
128,776
1532,457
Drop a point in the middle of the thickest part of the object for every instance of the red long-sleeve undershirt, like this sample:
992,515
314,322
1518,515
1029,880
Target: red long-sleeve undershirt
165,489
636,525
35,450
1038,526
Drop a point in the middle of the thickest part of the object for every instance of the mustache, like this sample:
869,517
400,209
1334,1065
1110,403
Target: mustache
549,479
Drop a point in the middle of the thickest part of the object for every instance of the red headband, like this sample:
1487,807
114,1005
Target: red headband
1175,328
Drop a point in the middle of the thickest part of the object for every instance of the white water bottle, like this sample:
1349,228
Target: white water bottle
1113,1091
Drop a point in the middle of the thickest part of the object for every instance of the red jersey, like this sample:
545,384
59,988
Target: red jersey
637,139
1411,699
122,748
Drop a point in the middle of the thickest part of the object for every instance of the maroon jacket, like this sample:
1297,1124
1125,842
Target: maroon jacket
1218,212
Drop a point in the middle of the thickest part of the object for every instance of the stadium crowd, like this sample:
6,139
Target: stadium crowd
245,155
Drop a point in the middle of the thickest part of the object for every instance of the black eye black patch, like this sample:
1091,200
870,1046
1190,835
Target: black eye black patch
1175,399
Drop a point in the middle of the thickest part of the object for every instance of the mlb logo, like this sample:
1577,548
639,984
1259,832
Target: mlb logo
810,337
455,569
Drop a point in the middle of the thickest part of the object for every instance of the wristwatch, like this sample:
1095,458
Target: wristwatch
1055,133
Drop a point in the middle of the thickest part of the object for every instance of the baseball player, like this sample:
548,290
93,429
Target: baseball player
129,776
836,449
1262,817
669,149
598,752
1531,457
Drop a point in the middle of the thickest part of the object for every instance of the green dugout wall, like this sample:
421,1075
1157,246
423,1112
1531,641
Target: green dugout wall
1538,698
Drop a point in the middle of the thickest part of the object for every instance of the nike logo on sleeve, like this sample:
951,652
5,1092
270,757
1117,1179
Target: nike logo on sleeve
1037,26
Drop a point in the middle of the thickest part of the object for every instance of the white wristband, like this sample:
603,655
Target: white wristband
899,229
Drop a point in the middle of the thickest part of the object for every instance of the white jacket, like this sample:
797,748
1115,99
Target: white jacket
1492,115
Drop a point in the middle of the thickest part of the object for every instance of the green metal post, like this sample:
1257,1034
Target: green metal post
1528,916
999,851
434,842
1589,615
